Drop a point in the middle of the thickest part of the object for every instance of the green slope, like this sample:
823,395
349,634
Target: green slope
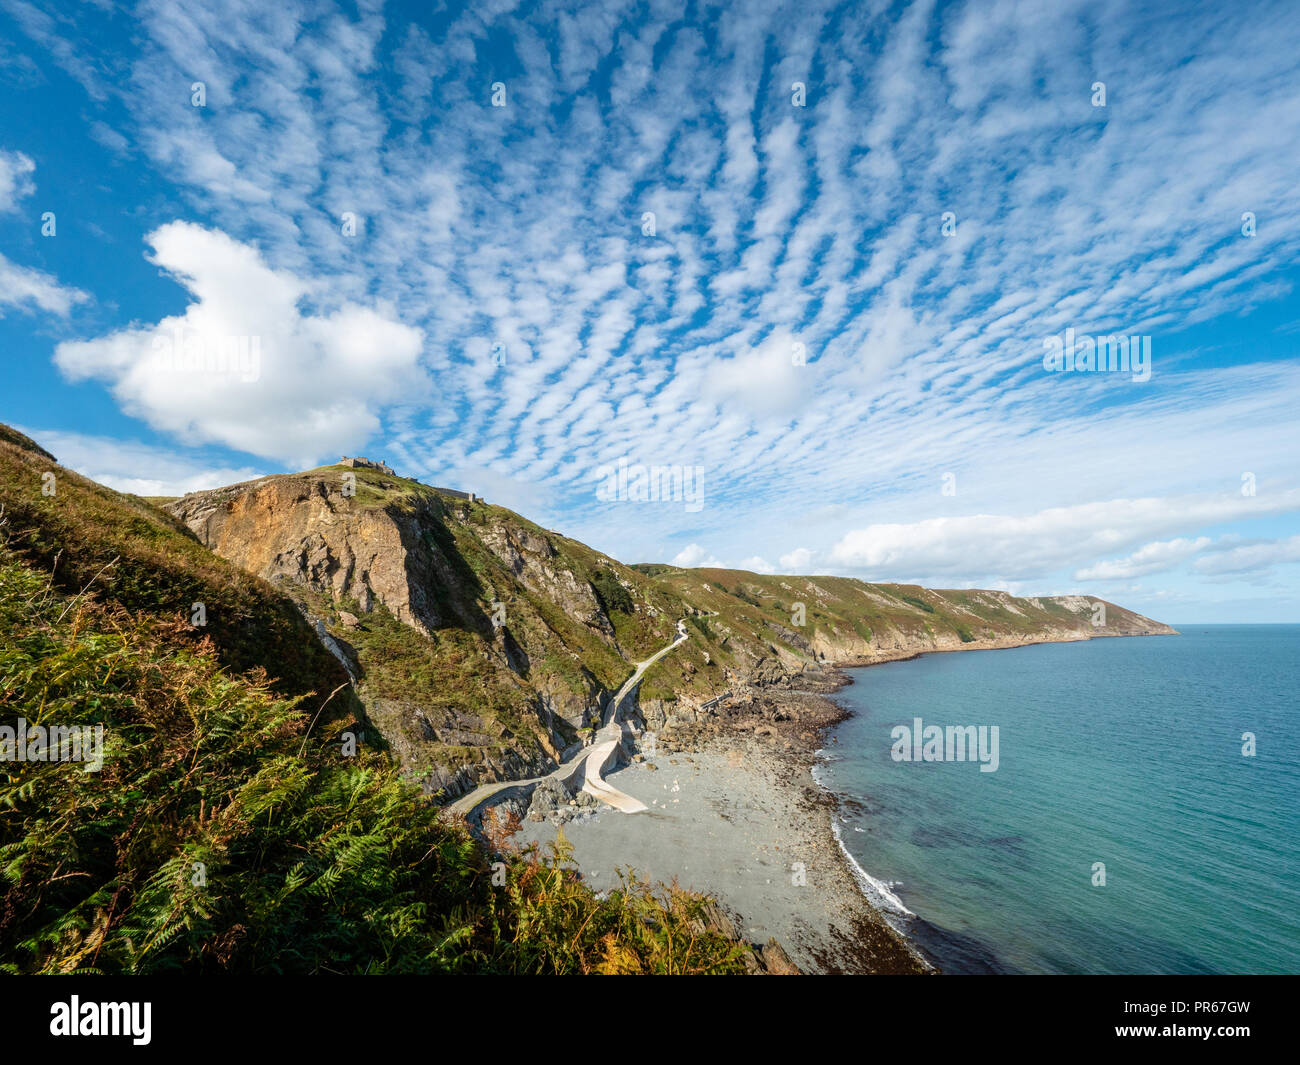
229,828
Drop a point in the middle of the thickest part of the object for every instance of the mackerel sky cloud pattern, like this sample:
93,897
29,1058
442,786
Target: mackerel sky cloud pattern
534,327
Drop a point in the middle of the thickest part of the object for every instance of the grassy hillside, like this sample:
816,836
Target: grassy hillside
486,645
482,642
766,625
230,829
90,537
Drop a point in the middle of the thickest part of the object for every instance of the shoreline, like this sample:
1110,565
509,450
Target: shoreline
737,812
741,822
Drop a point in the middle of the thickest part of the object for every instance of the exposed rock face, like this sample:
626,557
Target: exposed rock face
769,959
552,801
848,647
305,530
776,961
533,560
346,655
516,652
481,644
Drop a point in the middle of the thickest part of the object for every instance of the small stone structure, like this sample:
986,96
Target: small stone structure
362,463
366,464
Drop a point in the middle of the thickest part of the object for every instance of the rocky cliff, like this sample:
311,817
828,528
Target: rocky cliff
482,646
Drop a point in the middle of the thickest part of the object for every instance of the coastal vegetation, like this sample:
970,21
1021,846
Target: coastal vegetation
293,680
229,829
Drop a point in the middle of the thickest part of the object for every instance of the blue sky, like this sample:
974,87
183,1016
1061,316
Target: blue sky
829,304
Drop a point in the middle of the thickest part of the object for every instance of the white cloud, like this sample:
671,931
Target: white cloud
1011,547
770,380
23,287
694,556
16,182
28,289
757,564
136,468
245,365
797,561
1152,558
1249,558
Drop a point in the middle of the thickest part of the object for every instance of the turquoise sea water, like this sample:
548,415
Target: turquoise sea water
1122,751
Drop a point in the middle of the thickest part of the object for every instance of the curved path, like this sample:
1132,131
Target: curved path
591,763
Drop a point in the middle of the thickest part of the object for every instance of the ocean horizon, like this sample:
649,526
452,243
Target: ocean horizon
1124,828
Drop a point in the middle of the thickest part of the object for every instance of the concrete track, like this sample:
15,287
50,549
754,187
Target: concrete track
586,769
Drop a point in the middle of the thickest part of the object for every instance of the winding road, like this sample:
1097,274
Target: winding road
591,763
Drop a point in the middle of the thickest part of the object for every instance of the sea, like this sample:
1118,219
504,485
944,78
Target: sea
1143,816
